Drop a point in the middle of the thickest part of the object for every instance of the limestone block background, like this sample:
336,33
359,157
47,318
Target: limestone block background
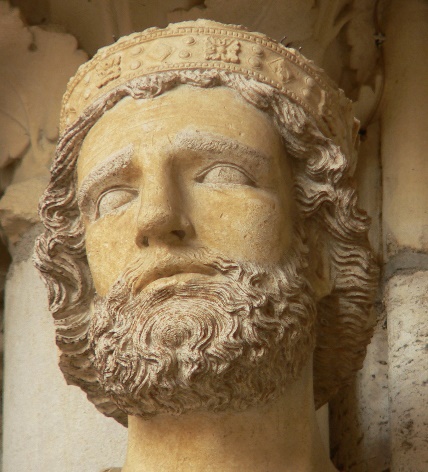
406,300
49,426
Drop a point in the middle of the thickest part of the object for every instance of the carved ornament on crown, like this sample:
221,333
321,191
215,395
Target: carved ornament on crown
108,70
222,49
284,73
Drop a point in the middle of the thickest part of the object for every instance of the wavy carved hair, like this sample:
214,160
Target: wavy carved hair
326,200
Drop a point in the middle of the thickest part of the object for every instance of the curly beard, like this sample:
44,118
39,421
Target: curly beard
220,342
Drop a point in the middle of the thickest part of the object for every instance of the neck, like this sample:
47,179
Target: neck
281,436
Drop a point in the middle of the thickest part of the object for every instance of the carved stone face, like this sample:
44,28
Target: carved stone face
195,254
188,189
190,169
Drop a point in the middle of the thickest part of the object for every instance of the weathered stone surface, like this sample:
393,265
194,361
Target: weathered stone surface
406,301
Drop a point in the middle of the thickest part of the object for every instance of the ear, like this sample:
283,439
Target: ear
319,272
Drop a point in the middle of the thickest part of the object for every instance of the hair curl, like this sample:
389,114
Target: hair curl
325,197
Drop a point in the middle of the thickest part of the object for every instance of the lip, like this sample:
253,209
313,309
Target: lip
173,273
181,277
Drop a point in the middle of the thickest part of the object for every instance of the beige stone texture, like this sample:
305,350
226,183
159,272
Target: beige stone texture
404,119
406,302
254,440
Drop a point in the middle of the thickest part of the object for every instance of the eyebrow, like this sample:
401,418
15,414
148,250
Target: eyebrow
217,144
188,139
112,165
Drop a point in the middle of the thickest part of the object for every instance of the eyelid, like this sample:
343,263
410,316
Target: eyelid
112,167
202,174
131,190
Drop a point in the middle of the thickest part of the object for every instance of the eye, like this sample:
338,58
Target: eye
113,199
225,174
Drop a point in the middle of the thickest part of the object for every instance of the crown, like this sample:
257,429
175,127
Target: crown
203,45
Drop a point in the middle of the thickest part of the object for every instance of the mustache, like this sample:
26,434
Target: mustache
167,262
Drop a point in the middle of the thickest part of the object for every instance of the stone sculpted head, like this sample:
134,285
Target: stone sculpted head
204,174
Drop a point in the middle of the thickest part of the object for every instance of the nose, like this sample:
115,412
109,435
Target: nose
161,217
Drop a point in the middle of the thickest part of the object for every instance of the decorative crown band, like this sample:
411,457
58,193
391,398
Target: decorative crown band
202,45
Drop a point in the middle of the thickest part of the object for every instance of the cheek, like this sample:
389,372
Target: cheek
108,248
245,224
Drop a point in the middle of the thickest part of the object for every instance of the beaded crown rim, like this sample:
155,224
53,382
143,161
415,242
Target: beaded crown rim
204,45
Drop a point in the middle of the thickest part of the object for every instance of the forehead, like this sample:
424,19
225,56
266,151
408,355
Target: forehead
218,110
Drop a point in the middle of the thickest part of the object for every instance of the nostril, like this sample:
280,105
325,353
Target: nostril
179,233
145,241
